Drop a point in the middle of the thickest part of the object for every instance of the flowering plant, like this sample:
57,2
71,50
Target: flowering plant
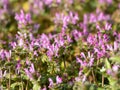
59,45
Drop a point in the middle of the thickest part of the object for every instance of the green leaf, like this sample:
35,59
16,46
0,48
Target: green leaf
115,59
36,86
107,64
44,58
100,88
15,84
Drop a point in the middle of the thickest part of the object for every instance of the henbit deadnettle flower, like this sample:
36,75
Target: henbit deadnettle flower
48,2
18,65
98,16
2,74
28,74
109,71
5,4
36,6
113,47
58,79
76,34
82,63
50,83
13,44
61,19
81,78
21,42
107,26
88,57
8,55
106,1
58,1
23,19
30,71
44,41
2,54
52,51
115,68
65,20
73,17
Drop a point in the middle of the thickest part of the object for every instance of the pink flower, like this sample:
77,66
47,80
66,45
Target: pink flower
50,83
76,34
109,72
115,68
91,61
82,63
2,74
8,54
23,19
58,80
107,26
116,46
32,69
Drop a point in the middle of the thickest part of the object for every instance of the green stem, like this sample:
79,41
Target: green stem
64,64
27,86
102,80
94,77
22,82
9,79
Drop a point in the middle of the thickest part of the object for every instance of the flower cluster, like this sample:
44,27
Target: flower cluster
59,44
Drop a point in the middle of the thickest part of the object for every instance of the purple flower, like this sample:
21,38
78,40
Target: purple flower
82,63
44,41
98,27
32,69
8,54
52,50
21,42
29,72
113,47
80,71
85,19
5,4
115,68
84,78
91,62
91,39
107,26
2,74
82,55
109,71
106,1
76,34
73,17
58,80
116,46
18,66
62,19
13,44
23,19
93,18
50,83
2,54
48,2
85,28
69,40
37,6
58,1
